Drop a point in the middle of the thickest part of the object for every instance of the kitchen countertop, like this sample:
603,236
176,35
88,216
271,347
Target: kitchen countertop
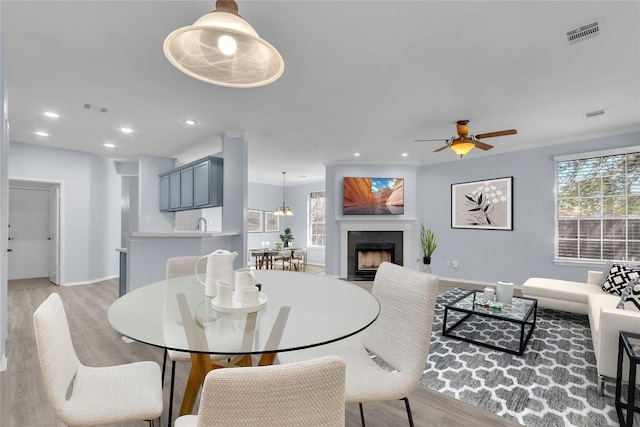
179,234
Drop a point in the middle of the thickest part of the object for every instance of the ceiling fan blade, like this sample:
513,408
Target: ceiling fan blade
441,148
481,145
429,140
499,133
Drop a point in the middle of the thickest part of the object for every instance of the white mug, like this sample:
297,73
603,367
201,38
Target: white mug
488,293
225,294
250,295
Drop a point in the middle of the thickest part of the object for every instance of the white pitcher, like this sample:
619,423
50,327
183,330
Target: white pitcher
244,277
219,269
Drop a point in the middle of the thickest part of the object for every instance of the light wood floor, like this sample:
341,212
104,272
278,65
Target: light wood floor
24,404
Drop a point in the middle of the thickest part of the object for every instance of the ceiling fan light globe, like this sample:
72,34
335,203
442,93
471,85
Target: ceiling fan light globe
462,148
195,50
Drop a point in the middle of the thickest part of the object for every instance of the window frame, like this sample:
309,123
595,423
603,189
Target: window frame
585,262
309,222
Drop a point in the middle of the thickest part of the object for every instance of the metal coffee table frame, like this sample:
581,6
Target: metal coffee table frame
482,312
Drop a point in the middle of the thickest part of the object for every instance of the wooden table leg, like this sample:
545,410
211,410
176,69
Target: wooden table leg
273,340
200,367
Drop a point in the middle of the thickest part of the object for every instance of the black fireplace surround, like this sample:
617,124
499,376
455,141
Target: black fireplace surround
390,241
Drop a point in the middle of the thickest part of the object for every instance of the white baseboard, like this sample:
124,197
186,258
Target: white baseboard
3,365
89,282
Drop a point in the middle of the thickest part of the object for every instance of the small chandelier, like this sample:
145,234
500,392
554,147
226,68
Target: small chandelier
223,49
284,209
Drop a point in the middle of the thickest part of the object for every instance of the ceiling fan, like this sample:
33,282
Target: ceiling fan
463,143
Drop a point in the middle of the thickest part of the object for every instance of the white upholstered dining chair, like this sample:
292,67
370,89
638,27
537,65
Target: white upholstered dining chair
304,394
99,395
400,337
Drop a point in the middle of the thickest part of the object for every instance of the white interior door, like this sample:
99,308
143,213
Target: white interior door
29,233
54,234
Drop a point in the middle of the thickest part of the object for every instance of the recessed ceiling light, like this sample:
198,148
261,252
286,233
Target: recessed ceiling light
51,114
190,122
110,145
404,154
40,133
356,154
126,130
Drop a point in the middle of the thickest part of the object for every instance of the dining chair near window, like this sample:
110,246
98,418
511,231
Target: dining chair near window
303,394
99,395
299,260
400,337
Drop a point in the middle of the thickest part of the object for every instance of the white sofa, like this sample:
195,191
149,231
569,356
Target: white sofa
605,319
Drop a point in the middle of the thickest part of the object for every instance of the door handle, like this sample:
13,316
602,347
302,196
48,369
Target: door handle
9,250
12,238
48,238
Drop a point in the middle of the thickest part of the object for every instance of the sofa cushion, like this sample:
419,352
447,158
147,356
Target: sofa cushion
560,289
618,277
630,298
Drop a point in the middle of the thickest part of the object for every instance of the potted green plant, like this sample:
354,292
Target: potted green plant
287,237
429,244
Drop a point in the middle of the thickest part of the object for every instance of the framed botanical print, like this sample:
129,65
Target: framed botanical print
254,221
271,222
486,205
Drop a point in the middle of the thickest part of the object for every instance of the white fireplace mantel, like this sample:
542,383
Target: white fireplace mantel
374,224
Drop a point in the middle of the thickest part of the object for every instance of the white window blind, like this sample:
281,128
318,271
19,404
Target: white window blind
317,207
598,207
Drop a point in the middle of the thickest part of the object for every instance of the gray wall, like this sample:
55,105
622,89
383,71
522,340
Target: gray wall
235,151
298,201
149,216
91,206
4,210
528,250
268,197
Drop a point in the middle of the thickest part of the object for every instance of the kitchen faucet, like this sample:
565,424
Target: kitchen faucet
204,230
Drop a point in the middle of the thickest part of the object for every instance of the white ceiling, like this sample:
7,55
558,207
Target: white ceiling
365,76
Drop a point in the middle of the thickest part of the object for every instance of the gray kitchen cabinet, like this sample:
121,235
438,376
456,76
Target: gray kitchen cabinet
196,185
201,180
186,187
174,190
164,192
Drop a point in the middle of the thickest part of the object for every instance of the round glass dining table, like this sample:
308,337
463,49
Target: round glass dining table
302,310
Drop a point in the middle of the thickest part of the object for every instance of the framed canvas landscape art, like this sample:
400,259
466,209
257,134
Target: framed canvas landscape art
486,205
254,221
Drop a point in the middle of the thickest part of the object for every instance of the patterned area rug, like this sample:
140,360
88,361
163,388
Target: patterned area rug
552,384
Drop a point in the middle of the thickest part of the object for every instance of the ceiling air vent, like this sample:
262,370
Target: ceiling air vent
592,114
94,108
583,33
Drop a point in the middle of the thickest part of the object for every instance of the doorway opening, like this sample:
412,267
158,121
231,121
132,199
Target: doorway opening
35,237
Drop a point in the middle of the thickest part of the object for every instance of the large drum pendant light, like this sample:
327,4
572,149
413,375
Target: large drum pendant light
223,49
